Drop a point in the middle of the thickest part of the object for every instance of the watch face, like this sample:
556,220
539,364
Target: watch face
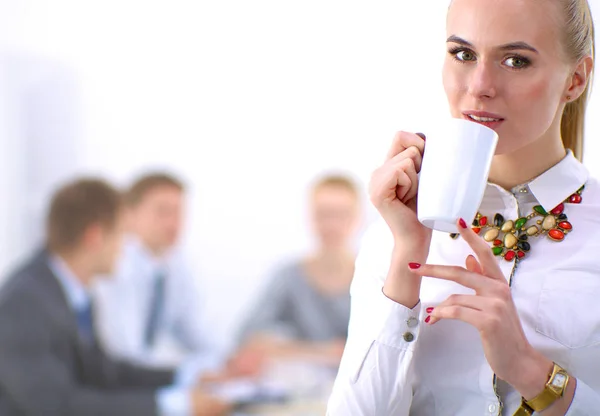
559,380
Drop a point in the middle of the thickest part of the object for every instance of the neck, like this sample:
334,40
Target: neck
80,266
333,256
155,250
527,163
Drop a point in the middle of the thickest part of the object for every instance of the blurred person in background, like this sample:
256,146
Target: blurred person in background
305,309
50,360
151,311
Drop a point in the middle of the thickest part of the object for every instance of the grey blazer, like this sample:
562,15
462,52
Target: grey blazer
45,370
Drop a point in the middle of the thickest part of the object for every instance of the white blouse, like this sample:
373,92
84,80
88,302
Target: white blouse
394,364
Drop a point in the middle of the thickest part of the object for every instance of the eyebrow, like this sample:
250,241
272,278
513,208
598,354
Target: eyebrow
507,47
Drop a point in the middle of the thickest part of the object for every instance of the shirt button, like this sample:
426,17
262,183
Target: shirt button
408,337
412,322
493,408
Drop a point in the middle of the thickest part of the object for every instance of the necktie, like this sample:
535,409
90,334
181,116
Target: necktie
85,323
155,311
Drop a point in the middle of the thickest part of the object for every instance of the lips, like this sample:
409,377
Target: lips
490,120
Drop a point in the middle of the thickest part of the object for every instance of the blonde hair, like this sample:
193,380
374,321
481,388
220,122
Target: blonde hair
335,181
579,43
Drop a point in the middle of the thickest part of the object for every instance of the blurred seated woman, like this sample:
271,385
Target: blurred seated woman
305,309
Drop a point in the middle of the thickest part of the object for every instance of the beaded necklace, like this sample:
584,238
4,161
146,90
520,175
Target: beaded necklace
510,238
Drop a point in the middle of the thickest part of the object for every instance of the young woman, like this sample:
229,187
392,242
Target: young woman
305,310
436,330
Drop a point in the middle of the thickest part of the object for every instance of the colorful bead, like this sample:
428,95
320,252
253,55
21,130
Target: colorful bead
510,241
497,243
562,217
507,226
549,222
565,225
524,245
491,235
575,199
558,210
482,221
510,255
520,254
540,210
556,235
476,230
520,223
533,230
498,220
497,250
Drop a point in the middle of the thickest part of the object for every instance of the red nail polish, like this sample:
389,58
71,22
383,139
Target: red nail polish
462,223
427,319
429,310
414,266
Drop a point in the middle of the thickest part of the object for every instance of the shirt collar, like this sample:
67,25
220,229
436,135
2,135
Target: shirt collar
136,248
559,182
76,294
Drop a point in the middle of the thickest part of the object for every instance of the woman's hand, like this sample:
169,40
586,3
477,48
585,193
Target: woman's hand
492,311
393,191
393,188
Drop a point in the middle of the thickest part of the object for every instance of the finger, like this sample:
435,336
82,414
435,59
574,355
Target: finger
460,275
387,184
402,141
462,313
482,250
473,265
468,301
412,153
404,185
411,172
407,178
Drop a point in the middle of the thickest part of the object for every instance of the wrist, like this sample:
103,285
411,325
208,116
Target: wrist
533,372
401,285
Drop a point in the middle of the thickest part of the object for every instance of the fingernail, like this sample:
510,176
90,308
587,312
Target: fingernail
462,223
429,310
414,266
421,135
427,319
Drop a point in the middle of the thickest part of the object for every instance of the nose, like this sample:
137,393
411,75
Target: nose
482,84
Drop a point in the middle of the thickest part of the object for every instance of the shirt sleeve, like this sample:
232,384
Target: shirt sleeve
376,375
586,401
173,401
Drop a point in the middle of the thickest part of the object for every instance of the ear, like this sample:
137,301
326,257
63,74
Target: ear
579,79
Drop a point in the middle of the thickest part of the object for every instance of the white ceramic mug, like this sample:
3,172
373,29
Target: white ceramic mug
454,173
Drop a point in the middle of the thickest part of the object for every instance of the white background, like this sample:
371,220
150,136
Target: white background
248,101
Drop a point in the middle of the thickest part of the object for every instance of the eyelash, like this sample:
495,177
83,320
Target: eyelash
454,52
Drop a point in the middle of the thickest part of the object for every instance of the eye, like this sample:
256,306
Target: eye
516,62
465,56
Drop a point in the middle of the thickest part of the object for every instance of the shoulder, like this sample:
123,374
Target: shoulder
286,275
25,291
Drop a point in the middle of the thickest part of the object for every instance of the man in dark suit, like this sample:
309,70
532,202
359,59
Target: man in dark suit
50,361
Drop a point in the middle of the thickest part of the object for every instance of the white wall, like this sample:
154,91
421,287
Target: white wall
248,101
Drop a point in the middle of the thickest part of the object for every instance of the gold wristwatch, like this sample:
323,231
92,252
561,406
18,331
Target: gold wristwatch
554,390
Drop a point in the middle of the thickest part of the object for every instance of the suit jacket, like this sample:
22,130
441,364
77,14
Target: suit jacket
45,368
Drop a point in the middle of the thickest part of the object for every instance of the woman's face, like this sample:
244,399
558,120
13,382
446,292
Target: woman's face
505,68
335,216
